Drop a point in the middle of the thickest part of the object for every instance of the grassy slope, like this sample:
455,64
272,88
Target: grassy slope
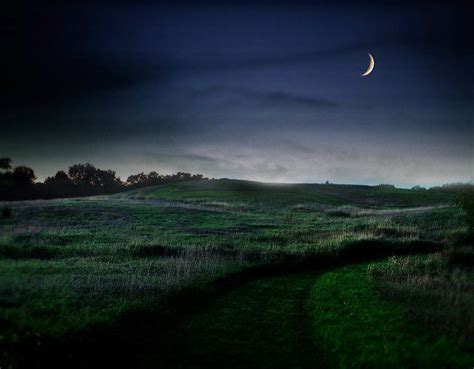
272,195
68,264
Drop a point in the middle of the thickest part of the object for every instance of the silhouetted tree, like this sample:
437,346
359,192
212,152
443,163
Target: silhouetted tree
90,180
108,181
137,179
183,176
82,174
59,185
5,163
23,176
154,177
6,179
19,184
143,180
61,177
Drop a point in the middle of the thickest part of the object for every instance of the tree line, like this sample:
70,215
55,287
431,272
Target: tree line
19,183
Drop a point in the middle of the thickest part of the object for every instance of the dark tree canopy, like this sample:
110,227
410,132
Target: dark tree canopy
16,184
153,178
5,163
23,176
79,180
88,178
61,177
60,185
136,179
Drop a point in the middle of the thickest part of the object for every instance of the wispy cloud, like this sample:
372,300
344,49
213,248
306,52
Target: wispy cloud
265,98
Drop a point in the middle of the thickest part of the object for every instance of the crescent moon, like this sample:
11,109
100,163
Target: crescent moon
371,66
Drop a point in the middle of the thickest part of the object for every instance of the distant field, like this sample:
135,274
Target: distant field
68,266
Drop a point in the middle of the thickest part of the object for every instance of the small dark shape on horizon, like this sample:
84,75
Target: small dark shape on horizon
6,212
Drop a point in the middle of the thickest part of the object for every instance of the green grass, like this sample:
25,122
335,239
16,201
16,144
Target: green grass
336,319
275,195
437,289
69,265
61,296
356,328
259,325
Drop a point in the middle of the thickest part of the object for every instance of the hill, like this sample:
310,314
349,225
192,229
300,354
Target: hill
91,278
271,194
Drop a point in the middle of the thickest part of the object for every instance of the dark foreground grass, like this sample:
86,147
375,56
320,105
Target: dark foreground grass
262,324
335,319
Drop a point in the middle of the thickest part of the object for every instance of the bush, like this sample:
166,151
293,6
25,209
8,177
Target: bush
6,212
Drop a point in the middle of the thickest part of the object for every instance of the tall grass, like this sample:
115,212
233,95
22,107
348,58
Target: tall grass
438,289
64,295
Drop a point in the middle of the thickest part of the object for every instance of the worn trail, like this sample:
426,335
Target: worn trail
262,324
334,319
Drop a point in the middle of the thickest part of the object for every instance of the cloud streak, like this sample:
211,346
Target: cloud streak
265,98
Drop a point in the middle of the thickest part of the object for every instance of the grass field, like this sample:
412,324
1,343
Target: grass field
71,267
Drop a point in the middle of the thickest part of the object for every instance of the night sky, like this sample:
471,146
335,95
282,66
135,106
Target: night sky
260,90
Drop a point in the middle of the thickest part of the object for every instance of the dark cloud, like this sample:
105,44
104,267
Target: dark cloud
284,98
48,60
55,51
26,85
265,98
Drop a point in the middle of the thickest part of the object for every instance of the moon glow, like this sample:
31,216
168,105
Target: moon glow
371,66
